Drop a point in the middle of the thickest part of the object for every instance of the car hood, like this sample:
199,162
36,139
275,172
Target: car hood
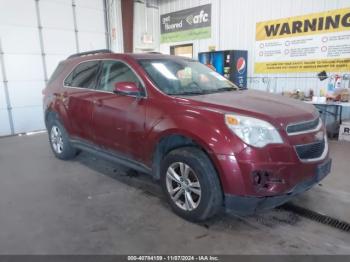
275,108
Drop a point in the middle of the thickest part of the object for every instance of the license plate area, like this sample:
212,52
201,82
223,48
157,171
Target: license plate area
323,170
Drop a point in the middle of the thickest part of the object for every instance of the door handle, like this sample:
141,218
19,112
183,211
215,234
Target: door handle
97,103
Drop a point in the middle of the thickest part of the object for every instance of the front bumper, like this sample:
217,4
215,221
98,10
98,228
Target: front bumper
245,205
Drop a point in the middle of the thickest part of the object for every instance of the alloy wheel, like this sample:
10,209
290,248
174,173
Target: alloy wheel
183,186
56,139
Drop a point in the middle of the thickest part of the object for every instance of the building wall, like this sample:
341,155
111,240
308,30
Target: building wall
233,27
168,6
146,24
115,27
34,37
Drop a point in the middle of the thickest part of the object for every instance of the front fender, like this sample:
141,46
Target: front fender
212,135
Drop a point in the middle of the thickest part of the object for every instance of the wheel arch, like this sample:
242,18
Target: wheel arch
49,114
172,141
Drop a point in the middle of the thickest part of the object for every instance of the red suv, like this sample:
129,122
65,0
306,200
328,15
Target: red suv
209,143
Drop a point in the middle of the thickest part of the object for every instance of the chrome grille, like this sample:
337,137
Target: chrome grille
303,127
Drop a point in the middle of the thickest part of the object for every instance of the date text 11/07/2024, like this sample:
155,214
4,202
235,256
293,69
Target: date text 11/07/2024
173,258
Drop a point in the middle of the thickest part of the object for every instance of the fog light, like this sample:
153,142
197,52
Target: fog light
256,178
261,179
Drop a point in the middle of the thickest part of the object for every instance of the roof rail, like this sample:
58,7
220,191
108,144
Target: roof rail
92,52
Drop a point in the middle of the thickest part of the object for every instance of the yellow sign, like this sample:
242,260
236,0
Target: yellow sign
329,65
308,43
317,23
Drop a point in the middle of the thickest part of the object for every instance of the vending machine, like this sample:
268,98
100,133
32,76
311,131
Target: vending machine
232,64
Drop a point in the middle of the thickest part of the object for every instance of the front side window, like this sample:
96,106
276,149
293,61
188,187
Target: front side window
84,75
185,77
114,72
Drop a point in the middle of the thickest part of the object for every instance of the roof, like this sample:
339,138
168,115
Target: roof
150,56
98,54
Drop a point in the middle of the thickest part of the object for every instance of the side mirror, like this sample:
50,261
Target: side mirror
126,88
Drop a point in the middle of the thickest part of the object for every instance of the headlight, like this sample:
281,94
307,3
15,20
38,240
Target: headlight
253,131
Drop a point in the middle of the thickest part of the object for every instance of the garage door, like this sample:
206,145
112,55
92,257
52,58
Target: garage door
32,43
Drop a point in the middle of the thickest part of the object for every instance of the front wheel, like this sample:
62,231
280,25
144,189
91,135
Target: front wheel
191,184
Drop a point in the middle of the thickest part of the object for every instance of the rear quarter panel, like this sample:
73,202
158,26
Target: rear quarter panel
54,95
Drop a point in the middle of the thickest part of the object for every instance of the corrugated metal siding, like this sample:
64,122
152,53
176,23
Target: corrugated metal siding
233,27
168,6
114,17
238,20
146,19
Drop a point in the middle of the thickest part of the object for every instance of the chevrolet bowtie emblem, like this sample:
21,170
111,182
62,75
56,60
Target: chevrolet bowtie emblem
319,136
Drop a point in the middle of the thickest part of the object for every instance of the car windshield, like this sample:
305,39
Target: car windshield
185,77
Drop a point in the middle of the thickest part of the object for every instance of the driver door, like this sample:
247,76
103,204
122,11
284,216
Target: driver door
118,120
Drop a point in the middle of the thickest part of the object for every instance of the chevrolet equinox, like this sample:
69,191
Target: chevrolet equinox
210,144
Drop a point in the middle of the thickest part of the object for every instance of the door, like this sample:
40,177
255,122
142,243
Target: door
182,50
80,90
118,120
65,26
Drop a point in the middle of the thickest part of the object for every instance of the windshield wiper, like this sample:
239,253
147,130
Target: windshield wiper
187,93
219,90
204,92
226,89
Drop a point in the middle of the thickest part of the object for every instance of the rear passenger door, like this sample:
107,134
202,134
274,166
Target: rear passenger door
80,90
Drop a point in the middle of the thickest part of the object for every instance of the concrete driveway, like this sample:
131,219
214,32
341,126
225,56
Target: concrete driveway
90,206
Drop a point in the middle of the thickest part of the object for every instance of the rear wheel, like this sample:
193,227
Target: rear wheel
191,184
59,141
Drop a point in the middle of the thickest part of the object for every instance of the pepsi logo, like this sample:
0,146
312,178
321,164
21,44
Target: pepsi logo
241,65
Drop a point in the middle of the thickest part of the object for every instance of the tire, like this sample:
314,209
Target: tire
59,141
207,196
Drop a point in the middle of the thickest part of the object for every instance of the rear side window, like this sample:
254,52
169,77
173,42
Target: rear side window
84,75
